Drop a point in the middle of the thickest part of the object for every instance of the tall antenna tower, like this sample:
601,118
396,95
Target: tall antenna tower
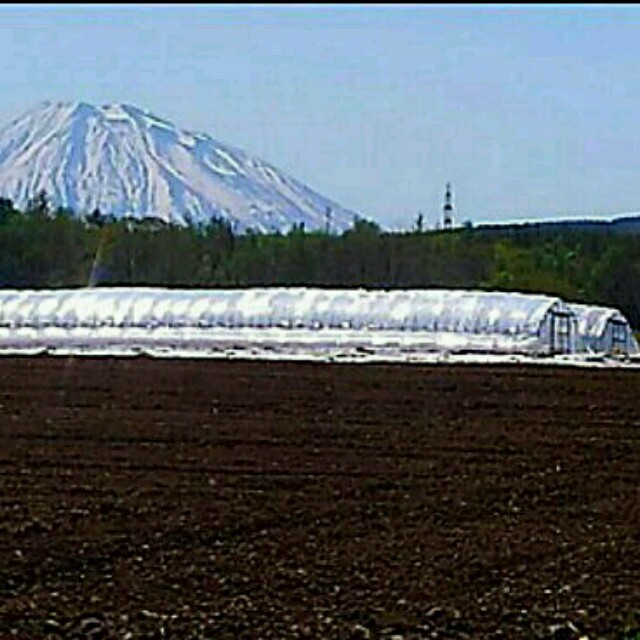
447,209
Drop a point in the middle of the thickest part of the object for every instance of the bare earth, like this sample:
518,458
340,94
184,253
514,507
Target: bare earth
204,499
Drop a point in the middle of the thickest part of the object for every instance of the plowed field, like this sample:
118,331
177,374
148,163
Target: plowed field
204,499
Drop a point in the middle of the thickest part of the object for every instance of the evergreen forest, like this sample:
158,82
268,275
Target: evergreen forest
46,247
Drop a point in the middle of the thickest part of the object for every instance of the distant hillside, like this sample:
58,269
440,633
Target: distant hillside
623,224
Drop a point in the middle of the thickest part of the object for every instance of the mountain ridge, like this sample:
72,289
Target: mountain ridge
128,162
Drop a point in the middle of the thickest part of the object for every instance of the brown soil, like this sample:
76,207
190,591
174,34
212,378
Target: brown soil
208,499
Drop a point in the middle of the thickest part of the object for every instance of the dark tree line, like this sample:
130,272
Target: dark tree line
44,247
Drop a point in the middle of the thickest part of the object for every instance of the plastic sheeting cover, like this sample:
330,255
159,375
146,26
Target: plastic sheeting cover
593,322
447,311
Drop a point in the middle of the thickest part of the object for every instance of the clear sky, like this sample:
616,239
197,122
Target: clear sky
531,111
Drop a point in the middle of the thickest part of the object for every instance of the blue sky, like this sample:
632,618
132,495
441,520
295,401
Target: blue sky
531,111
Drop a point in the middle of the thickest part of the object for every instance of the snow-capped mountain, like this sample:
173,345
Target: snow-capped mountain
125,161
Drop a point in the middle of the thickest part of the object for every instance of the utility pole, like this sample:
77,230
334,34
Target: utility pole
327,220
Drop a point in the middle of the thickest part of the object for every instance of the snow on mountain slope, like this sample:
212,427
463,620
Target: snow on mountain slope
125,161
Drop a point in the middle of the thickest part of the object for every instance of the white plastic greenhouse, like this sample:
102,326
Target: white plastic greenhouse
425,320
603,330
